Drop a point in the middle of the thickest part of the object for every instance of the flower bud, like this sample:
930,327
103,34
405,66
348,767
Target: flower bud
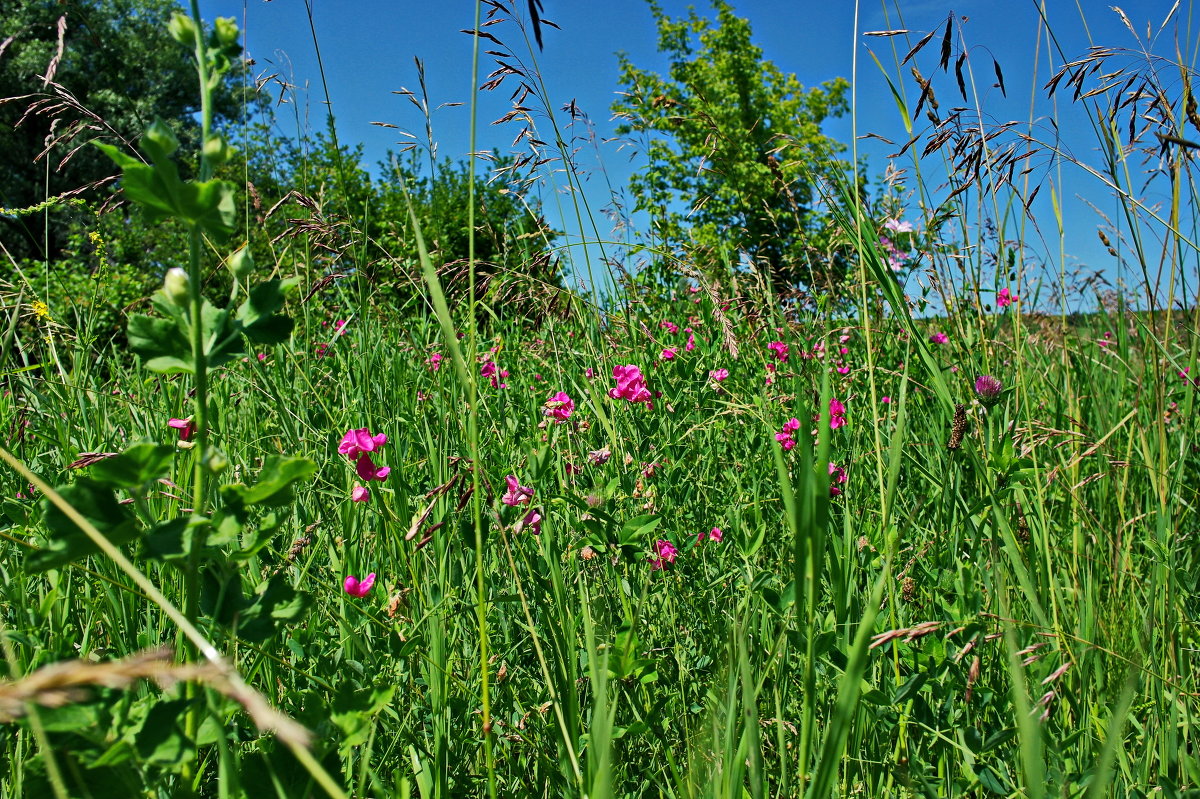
217,150
240,264
177,286
182,29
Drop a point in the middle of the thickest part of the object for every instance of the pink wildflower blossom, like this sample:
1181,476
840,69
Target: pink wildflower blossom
664,554
356,442
938,338
714,534
631,385
360,494
559,407
717,375
691,341
780,349
434,361
784,436
670,327
837,413
354,587
516,494
668,354
599,457
367,470
896,226
184,426
837,477
1005,298
532,522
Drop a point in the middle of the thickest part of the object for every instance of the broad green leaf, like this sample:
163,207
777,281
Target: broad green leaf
161,342
276,482
277,602
136,466
258,317
96,503
160,738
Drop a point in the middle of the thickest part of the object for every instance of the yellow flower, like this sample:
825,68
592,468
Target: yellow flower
41,309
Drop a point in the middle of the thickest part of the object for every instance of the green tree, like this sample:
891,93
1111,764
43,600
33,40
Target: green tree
118,71
734,147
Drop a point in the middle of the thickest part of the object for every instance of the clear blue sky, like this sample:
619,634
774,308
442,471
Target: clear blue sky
368,47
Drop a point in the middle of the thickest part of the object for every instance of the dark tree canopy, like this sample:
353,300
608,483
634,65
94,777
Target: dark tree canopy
118,71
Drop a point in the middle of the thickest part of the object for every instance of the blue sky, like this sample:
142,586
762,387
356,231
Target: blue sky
368,49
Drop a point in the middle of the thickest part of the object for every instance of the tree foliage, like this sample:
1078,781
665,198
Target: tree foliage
734,147
79,71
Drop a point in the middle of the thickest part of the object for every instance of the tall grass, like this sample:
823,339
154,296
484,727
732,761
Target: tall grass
1001,600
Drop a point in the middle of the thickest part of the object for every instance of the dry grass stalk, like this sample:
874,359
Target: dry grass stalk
68,681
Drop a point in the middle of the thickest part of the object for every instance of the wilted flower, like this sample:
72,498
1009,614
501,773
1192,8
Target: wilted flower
599,457
354,587
837,476
532,522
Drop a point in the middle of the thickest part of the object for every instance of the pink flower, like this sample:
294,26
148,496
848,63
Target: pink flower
886,400
262,356
664,554
938,338
691,341
784,436
714,534
589,373
559,407
670,327
516,494
896,226
434,361
184,426
837,413
532,522
668,354
717,375
1005,298
631,385
837,477
843,369
360,494
369,471
356,442
353,587
780,349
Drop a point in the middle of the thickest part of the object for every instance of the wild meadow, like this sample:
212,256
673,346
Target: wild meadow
361,491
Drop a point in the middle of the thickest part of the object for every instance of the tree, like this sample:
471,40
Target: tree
117,71
734,147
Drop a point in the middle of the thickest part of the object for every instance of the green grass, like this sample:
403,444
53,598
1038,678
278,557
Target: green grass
1015,616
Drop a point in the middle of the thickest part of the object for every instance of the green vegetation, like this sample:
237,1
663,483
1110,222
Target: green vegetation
339,514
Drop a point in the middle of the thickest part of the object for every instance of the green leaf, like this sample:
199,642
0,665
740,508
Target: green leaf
277,602
96,503
160,738
276,482
353,710
136,466
172,541
162,342
258,317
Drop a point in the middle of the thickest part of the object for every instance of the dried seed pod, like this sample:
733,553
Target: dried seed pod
958,428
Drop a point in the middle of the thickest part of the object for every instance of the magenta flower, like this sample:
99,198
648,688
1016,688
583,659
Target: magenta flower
668,354
938,338
516,494
886,400
360,494
664,554
780,349
353,587
714,534
1005,298
988,389
843,369
670,327
532,522
356,442
434,361
559,407
837,413
896,226
369,471
184,426
837,477
717,375
631,385
691,341
784,436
